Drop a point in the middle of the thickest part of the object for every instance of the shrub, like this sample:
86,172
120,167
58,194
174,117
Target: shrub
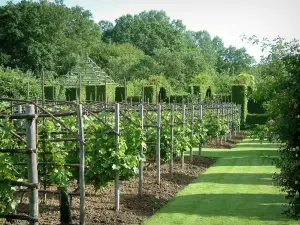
239,96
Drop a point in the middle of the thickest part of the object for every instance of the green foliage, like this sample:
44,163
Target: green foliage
239,96
255,107
178,98
72,93
15,84
98,93
120,94
45,34
135,98
280,92
203,81
54,92
253,119
150,93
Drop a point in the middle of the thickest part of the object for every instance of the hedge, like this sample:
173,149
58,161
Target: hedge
162,96
224,97
178,99
135,98
98,93
120,94
239,96
255,107
253,119
73,92
150,93
54,92
49,92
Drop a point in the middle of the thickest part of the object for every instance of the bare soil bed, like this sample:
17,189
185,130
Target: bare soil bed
133,208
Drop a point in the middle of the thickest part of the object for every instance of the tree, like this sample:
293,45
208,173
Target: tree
148,31
234,61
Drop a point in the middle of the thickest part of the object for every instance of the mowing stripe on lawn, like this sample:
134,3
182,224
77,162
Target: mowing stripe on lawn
237,189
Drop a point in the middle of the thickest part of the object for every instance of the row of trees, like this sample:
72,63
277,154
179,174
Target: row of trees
49,35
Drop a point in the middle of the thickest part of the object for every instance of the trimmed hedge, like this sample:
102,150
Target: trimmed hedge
255,107
162,96
135,98
98,93
239,96
224,97
253,119
54,92
178,99
150,93
50,92
73,92
120,94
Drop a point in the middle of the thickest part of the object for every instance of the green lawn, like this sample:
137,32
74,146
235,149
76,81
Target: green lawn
236,190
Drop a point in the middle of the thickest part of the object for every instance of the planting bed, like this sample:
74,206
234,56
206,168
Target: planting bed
133,209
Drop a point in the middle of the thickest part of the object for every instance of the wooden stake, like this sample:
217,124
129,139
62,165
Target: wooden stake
82,165
183,125
140,188
172,141
200,120
117,130
158,143
192,132
32,164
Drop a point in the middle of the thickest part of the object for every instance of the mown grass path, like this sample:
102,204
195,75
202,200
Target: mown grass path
237,189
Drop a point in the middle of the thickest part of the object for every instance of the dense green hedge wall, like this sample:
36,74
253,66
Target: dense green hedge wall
223,97
162,96
135,98
255,107
120,93
239,96
98,93
253,119
150,93
71,93
50,92
178,98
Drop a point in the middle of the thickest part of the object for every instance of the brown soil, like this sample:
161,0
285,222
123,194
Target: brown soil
133,209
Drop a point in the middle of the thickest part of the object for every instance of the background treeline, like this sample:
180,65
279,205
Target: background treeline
50,36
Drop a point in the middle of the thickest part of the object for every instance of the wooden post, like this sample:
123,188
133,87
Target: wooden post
32,163
218,118
19,108
82,164
192,132
117,130
158,143
223,137
172,141
140,188
200,120
183,126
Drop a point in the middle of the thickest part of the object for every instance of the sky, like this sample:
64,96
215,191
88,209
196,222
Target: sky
228,19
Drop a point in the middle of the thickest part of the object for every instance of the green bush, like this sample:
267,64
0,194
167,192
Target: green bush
135,98
255,107
253,119
150,93
14,84
54,92
162,96
239,96
98,93
178,99
72,93
120,94
224,97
